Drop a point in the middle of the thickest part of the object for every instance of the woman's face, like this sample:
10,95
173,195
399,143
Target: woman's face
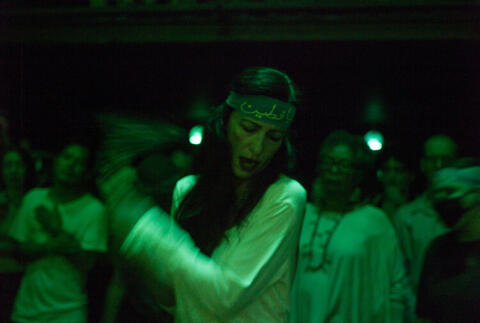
338,173
253,144
394,173
13,169
71,165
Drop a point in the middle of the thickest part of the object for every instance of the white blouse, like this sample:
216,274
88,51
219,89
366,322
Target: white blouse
249,276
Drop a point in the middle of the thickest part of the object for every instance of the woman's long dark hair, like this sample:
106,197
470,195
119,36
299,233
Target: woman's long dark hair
211,207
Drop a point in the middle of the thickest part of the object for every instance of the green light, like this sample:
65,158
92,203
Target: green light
374,140
196,135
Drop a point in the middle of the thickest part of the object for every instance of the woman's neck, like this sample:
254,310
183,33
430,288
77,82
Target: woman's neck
242,188
64,194
336,204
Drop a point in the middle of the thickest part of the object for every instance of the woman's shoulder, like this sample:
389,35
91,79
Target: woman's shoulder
372,219
370,212
284,200
36,193
183,186
286,187
186,182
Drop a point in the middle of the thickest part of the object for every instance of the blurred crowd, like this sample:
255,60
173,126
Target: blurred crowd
375,207
54,228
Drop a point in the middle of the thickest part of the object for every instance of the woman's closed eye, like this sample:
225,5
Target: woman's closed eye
275,136
249,126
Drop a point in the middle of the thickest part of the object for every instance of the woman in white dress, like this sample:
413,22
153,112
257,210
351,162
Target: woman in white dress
227,252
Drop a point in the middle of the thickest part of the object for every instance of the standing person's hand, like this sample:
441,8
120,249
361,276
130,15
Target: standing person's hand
62,242
50,220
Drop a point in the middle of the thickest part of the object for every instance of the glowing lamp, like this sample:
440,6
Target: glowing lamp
196,135
374,140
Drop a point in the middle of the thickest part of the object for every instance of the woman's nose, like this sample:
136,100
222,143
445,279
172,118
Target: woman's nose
256,144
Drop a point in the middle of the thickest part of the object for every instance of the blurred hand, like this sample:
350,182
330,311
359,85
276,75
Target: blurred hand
50,220
117,186
125,203
65,244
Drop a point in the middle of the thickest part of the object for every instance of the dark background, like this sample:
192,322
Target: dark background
425,87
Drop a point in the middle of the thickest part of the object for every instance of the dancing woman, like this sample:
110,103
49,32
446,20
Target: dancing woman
227,253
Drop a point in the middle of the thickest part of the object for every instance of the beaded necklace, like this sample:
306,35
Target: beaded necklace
326,237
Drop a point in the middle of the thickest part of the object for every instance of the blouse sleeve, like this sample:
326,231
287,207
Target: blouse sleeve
269,239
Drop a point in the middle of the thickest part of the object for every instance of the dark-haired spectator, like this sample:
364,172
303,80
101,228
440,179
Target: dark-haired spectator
350,267
449,287
17,177
59,230
395,175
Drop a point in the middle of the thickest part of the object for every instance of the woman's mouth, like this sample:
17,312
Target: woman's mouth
248,164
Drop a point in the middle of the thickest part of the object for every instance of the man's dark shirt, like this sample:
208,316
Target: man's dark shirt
449,288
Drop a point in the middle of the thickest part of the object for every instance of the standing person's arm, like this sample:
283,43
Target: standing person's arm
423,306
401,296
405,240
59,242
447,278
268,241
63,244
113,298
80,248
384,248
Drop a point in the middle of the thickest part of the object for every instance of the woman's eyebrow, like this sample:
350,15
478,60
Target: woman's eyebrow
253,123
249,122
280,132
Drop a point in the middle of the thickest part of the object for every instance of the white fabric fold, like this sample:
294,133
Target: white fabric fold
248,277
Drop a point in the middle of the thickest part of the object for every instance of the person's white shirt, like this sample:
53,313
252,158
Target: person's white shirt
52,288
248,277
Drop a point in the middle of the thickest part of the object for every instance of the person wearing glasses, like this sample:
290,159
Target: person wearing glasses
349,263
